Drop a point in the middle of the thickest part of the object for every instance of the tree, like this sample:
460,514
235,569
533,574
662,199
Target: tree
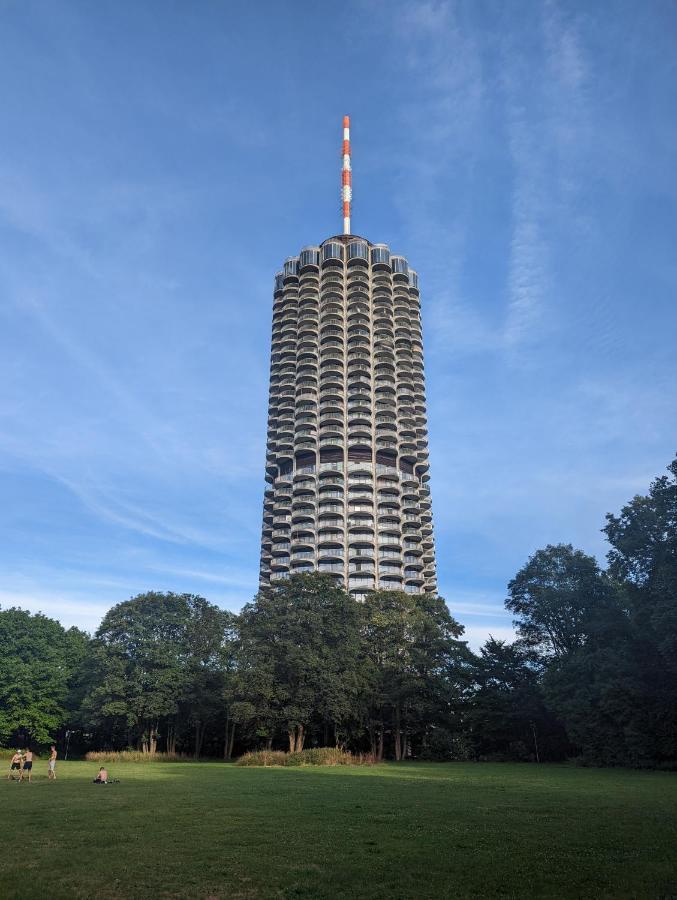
208,646
157,661
507,717
643,561
413,655
556,597
41,663
643,558
298,660
608,641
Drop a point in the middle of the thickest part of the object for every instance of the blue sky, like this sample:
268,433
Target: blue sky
158,162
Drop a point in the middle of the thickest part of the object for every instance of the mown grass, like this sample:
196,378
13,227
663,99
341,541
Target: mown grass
192,830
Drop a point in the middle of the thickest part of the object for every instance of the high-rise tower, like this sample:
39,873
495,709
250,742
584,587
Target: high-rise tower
347,450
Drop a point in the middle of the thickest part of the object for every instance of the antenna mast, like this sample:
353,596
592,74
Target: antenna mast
346,176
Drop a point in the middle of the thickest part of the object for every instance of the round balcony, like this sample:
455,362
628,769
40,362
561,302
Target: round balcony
355,341
305,444
330,552
412,576
361,512
359,405
359,424
380,257
331,422
389,569
279,576
361,541
328,567
363,581
330,537
279,546
303,543
331,393
361,475
309,258
357,331
331,387
332,353
332,252
331,491
303,514
385,443
389,540
358,315
357,253
330,510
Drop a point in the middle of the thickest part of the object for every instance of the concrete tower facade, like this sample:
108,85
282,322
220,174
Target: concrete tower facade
347,451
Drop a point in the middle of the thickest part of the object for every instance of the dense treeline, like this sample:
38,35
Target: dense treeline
592,674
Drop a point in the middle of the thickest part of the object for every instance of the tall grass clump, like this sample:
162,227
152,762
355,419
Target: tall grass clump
135,756
8,752
315,756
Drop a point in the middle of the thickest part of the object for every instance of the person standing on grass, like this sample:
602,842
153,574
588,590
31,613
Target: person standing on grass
51,764
28,766
15,765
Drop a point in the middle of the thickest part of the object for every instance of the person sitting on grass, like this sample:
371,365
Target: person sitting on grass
102,777
28,766
15,765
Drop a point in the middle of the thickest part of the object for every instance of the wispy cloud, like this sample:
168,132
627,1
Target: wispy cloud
62,605
524,167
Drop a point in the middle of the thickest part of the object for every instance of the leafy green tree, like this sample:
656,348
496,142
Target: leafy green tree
209,637
507,717
413,655
556,598
608,640
643,558
40,667
298,660
157,662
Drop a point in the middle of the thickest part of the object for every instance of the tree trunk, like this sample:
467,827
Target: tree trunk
153,738
397,733
199,738
372,739
231,741
171,738
297,736
269,743
226,739
379,755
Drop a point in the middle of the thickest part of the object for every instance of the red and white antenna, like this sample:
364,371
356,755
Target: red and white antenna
346,176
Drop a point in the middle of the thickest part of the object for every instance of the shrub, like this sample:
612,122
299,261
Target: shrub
263,758
444,746
8,753
135,756
315,756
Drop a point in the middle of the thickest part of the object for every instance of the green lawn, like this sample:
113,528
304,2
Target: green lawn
412,830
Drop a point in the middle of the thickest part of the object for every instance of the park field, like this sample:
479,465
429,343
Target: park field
412,830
